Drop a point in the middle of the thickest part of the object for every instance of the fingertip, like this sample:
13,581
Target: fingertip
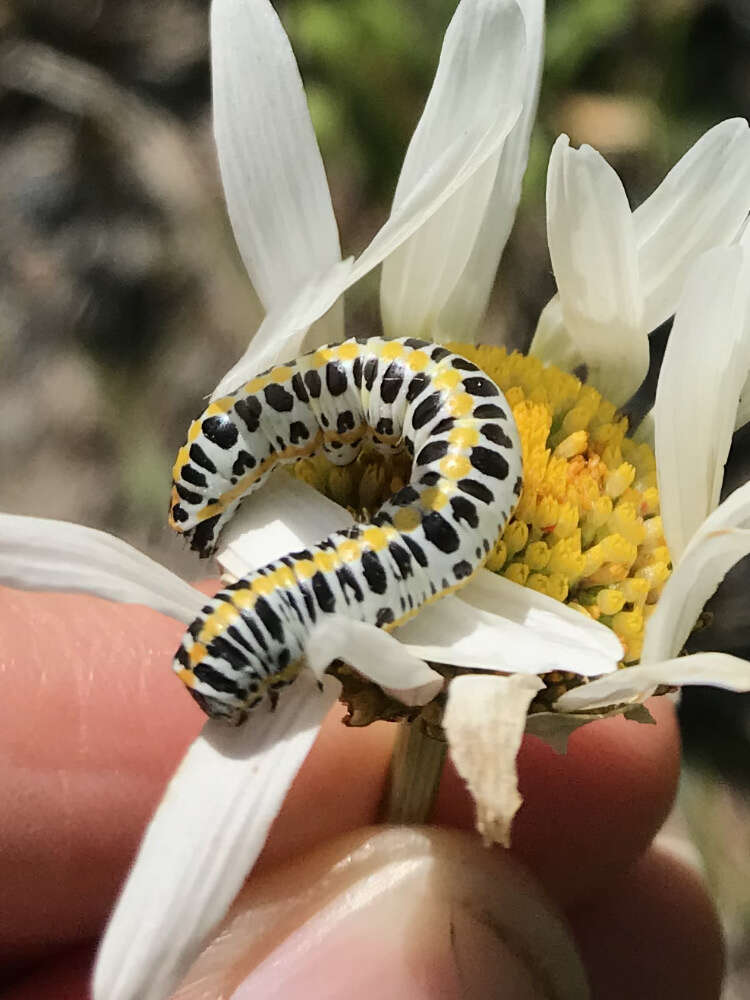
655,935
339,788
407,913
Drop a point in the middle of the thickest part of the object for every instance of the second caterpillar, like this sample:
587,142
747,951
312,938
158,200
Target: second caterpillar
426,541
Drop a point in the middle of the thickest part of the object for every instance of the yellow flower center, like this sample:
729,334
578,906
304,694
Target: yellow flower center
587,529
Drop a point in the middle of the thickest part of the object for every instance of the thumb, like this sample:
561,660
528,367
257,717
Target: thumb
411,914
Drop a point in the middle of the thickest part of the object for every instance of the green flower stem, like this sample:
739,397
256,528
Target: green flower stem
416,767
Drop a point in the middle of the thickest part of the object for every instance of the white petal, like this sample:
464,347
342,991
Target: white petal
282,332
285,515
482,64
484,721
497,625
553,344
543,615
645,431
452,631
714,549
743,409
733,512
637,683
459,162
705,365
40,554
701,203
203,840
463,313
273,175
281,336
593,251
329,329
373,653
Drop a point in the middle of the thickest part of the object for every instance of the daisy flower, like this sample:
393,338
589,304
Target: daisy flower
580,567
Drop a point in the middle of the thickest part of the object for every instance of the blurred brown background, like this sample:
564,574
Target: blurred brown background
122,299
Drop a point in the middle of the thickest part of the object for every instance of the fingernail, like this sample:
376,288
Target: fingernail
388,948
415,915
487,966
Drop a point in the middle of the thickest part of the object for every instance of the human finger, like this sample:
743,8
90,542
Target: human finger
587,814
92,724
408,913
653,935
422,914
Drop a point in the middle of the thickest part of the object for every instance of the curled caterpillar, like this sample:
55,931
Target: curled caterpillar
424,542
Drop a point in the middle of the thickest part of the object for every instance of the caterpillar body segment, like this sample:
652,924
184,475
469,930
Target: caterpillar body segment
424,542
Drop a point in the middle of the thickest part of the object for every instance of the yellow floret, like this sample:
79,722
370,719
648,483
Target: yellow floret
574,444
610,601
517,572
537,555
498,557
516,536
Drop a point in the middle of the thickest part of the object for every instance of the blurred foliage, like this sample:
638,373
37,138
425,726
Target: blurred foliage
122,299
629,77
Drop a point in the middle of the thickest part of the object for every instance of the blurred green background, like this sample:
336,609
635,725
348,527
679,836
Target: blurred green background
122,299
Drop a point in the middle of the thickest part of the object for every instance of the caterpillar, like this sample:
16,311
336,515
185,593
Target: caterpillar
426,541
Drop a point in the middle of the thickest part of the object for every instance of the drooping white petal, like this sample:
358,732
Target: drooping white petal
284,516
482,64
273,175
281,336
593,250
700,204
721,541
202,842
373,653
41,554
454,631
484,721
493,624
704,368
543,615
637,683
464,310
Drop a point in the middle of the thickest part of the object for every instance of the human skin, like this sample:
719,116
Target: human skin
92,724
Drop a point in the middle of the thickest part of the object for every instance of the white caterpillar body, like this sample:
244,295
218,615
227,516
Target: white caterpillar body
424,542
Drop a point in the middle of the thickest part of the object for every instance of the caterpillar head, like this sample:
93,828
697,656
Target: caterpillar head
202,533
225,676
231,714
